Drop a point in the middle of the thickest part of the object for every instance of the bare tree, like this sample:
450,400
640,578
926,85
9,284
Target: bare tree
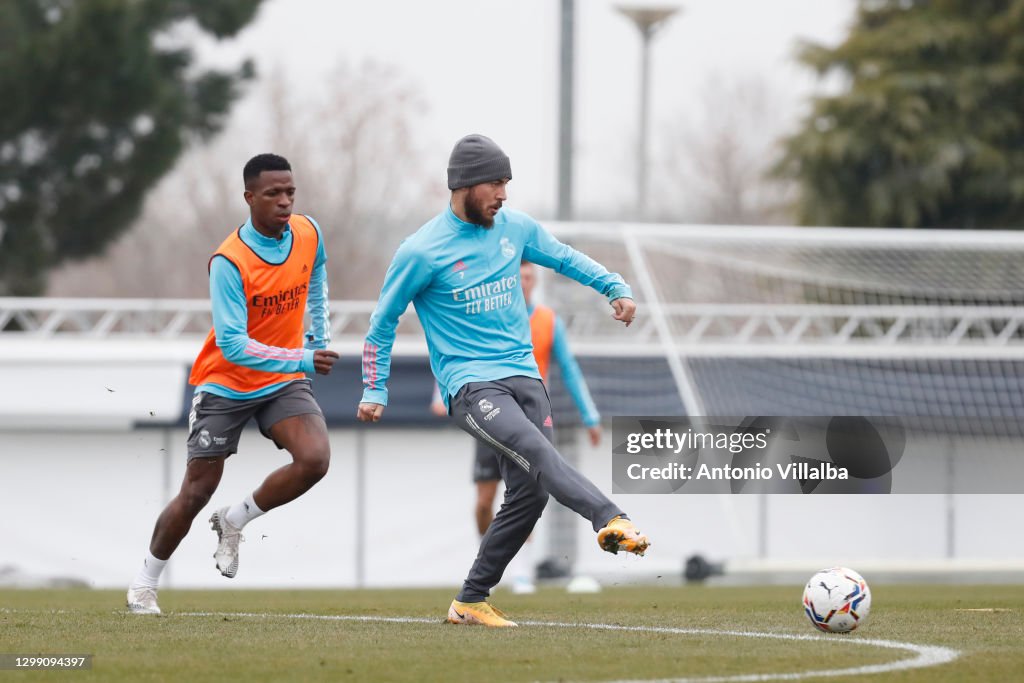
362,170
714,166
359,172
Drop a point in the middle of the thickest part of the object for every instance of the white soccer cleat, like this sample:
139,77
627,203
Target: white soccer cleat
228,538
142,601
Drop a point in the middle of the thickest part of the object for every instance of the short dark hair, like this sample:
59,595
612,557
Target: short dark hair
263,162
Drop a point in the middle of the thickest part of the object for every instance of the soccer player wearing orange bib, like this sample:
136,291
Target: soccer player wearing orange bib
254,362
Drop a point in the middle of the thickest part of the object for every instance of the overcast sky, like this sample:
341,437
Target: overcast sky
491,66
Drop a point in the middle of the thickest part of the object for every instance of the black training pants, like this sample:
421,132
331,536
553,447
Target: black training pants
513,416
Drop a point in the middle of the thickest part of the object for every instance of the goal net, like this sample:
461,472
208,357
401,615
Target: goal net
923,326
797,321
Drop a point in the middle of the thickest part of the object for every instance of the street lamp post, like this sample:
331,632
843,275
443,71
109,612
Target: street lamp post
647,20
565,105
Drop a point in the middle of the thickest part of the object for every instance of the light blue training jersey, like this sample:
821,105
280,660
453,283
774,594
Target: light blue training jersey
463,280
572,376
231,318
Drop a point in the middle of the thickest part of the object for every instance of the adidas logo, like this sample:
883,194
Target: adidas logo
459,266
548,422
305,268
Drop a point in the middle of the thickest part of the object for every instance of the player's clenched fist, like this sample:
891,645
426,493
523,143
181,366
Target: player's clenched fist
369,412
625,310
323,361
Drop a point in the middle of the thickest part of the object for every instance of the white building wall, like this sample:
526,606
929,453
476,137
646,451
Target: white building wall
82,504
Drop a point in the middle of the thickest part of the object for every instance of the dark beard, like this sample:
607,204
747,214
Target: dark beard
475,213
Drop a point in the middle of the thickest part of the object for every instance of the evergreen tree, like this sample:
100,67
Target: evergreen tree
928,129
96,110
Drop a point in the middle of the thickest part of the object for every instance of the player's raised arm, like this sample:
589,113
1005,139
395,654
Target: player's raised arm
542,248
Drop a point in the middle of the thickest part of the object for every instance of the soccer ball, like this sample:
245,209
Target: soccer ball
837,600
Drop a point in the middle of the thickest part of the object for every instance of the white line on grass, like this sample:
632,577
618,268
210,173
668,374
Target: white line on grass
925,655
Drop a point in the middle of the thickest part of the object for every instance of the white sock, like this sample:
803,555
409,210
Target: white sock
149,575
242,513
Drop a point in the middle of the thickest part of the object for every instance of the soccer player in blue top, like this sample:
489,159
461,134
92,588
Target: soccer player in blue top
461,271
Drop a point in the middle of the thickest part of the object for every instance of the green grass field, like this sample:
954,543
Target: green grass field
274,646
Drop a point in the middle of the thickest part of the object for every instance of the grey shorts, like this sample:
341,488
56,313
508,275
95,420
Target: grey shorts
215,423
485,464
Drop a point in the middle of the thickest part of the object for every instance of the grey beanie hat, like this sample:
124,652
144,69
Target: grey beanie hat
476,159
